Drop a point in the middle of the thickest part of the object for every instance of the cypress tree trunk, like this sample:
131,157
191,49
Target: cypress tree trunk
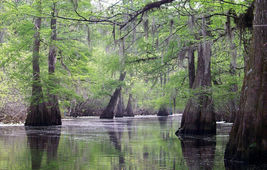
108,113
129,109
53,106
248,137
38,114
163,111
191,67
191,54
199,117
120,107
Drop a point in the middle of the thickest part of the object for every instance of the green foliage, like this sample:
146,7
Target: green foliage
89,60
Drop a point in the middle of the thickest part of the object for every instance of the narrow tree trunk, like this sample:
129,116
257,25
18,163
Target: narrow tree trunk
198,116
129,109
108,113
234,87
38,114
191,67
163,111
191,54
53,106
248,137
174,105
120,107
88,36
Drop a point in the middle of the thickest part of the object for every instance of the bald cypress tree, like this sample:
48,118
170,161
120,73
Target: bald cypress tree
248,136
38,114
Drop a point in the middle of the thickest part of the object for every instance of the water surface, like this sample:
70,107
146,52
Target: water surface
125,143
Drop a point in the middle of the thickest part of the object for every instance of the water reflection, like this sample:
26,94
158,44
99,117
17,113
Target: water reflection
126,143
40,141
115,136
199,153
163,120
130,128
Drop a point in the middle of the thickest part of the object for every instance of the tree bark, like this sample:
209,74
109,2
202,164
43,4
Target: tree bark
52,105
248,137
129,109
199,117
108,113
38,114
120,107
191,67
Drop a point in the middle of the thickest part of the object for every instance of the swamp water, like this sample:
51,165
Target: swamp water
126,143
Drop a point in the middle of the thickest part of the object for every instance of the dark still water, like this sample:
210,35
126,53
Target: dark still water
127,143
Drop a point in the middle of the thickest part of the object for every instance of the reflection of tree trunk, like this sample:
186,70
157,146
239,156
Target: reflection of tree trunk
108,113
52,147
129,128
162,122
248,137
37,147
115,138
129,109
198,153
198,116
163,125
120,107
52,105
39,142
38,114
